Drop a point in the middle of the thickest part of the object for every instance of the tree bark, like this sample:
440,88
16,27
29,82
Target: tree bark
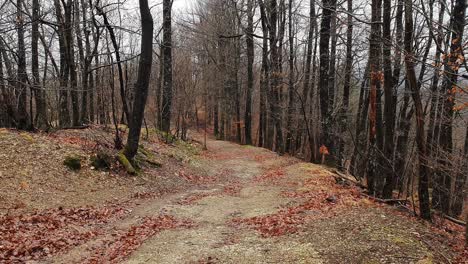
423,184
307,72
346,87
324,72
110,29
39,93
264,79
142,83
167,64
24,122
290,112
373,178
450,82
250,73
389,115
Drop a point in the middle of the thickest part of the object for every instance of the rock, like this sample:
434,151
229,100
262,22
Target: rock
331,199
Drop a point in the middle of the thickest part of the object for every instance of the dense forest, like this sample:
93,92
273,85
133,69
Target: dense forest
374,88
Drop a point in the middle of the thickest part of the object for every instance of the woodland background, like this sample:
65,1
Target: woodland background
376,88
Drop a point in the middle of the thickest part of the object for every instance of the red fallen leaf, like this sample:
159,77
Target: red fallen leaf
291,219
123,245
196,179
271,176
36,235
232,189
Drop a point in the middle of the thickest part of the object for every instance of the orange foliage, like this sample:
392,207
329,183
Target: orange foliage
324,150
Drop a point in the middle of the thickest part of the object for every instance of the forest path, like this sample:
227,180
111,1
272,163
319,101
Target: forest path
254,206
270,209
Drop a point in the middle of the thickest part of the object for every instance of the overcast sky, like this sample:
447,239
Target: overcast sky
181,5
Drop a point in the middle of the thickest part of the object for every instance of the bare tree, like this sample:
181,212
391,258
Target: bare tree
142,83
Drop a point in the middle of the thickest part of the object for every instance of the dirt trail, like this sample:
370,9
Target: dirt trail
259,207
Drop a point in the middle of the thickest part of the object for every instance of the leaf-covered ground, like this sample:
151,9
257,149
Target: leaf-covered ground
230,204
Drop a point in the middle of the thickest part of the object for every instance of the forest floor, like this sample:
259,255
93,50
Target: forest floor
228,204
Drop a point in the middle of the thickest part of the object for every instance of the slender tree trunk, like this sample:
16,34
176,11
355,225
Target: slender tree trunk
142,83
110,29
22,78
291,88
265,133
167,64
314,102
324,72
84,118
389,115
332,85
435,96
39,93
159,92
250,73
347,85
5,106
423,184
70,60
307,72
373,179
450,81
402,142
460,182
64,113
9,96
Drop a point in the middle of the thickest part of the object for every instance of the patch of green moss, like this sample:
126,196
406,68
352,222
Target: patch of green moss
73,162
27,137
126,163
164,135
146,156
142,150
154,163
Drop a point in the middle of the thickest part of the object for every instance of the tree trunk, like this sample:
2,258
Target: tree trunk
423,184
64,113
70,61
307,72
435,95
23,119
39,93
450,82
389,115
110,29
460,182
167,64
361,117
142,83
332,86
346,87
290,109
324,72
250,73
374,180
265,133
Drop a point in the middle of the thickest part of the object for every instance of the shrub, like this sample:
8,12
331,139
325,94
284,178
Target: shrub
73,162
